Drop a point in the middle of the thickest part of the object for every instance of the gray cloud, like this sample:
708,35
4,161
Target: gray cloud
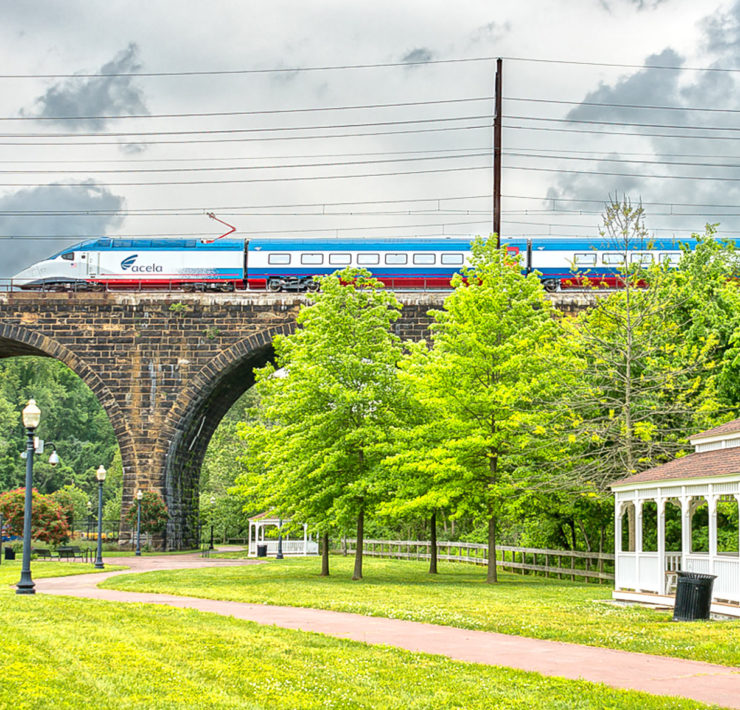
663,88
26,248
96,96
420,54
490,32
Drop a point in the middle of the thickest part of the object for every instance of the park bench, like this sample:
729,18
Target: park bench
42,553
69,552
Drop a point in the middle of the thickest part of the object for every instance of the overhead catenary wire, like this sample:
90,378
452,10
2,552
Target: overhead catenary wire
262,112
260,139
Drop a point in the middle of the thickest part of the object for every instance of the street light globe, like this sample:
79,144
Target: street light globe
100,473
54,458
139,494
31,415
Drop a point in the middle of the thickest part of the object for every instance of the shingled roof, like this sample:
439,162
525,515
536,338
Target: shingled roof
720,462
727,428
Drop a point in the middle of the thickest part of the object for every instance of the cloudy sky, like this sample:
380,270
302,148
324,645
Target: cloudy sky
136,119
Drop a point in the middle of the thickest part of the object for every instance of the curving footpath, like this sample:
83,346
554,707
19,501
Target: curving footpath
659,675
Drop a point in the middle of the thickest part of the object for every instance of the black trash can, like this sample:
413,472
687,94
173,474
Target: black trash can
261,550
693,596
9,553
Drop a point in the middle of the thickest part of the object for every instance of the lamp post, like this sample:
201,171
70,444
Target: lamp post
100,475
31,419
139,496
279,555
213,502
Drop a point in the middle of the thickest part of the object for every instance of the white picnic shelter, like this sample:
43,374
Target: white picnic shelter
682,515
259,523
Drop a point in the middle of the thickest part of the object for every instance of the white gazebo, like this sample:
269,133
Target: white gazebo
257,525
667,498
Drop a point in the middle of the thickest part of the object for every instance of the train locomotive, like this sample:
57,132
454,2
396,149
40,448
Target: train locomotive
284,264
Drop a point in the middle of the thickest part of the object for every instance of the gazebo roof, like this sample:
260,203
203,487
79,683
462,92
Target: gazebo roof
727,428
720,462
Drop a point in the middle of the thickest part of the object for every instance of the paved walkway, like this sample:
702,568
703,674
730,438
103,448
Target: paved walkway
621,669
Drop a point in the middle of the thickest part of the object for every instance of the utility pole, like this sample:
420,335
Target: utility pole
497,154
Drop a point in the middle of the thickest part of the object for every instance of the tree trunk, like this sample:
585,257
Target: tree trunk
433,545
584,534
357,574
574,539
325,554
492,575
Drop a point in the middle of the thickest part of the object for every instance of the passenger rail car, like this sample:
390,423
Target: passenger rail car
277,264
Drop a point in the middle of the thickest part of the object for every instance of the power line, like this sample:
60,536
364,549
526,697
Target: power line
618,160
224,208
623,123
246,180
637,175
260,232
620,133
272,129
620,66
261,139
632,106
246,167
236,72
257,157
603,202
375,65
265,112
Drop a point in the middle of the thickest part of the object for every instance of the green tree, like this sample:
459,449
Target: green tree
494,357
647,360
74,503
326,408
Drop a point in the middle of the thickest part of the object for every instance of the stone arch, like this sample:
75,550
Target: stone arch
17,341
191,422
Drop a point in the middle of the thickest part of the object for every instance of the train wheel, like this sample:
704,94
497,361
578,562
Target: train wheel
274,285
312,285
551,285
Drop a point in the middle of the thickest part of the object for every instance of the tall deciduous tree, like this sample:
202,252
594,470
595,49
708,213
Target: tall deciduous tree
648,358
327,406
494,356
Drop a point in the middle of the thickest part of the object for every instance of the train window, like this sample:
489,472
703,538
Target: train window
670,259
424,259
396,259
612,258
643,258
278,259
312,259
340,259
68,256
452,259
584,259
367,259
125,244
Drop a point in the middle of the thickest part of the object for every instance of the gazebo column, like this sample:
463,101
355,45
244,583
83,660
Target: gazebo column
660,505
712,516
685,529
618,518
638,538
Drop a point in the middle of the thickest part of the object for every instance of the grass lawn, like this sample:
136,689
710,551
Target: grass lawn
62,653
458,596
10,571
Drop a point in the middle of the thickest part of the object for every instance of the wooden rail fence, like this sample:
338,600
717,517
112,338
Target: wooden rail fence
597,566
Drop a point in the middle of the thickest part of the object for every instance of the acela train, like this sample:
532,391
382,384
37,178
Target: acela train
280,264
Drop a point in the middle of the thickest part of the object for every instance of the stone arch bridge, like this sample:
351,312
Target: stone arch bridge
166,367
